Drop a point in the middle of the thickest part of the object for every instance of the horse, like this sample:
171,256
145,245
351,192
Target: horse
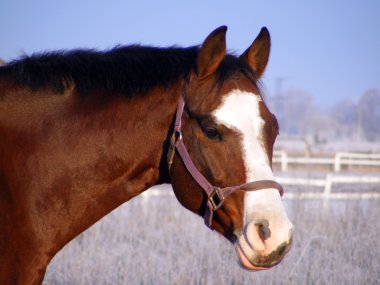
83,131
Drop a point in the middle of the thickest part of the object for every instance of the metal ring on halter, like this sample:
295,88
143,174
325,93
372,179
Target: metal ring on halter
178,135
218,202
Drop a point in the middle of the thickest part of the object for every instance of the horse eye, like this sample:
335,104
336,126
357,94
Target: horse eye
213,134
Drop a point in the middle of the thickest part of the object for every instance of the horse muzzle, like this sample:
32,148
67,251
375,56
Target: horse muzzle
259,248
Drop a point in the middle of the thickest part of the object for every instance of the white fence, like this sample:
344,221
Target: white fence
340,158
336,162
327,185
326,194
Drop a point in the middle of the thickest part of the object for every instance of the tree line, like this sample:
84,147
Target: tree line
354,120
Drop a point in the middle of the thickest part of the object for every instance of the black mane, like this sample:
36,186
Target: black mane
128,71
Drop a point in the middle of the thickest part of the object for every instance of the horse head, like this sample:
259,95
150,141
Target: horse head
229,133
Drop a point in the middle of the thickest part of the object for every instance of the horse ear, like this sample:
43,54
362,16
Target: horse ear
257,54
211,52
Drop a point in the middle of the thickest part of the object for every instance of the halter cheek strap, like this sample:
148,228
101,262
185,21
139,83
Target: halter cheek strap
215,195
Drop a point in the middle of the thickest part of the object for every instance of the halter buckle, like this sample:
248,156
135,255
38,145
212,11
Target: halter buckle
216,199
177,135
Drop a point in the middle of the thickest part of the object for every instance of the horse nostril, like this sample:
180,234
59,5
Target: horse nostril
263,229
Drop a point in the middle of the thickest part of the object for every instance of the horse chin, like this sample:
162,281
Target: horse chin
246,262
255,255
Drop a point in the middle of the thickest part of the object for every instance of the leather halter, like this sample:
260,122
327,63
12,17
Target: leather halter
215,195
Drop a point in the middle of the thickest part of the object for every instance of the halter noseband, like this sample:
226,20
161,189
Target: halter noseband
215,195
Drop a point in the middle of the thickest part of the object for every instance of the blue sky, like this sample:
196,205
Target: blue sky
328,48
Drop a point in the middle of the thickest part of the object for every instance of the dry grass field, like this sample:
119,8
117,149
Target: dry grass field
156,241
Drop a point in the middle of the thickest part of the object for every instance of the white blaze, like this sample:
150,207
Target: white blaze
240,111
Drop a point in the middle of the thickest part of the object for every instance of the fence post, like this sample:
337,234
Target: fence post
337,162
327,190
284,160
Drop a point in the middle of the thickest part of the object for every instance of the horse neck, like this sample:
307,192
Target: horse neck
149,130
143,136
80,159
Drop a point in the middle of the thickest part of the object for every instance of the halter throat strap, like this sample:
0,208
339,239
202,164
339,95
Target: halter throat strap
215,195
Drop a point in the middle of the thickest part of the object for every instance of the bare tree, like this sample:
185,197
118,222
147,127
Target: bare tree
345,114
322,127
347,120
294,110
369,114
